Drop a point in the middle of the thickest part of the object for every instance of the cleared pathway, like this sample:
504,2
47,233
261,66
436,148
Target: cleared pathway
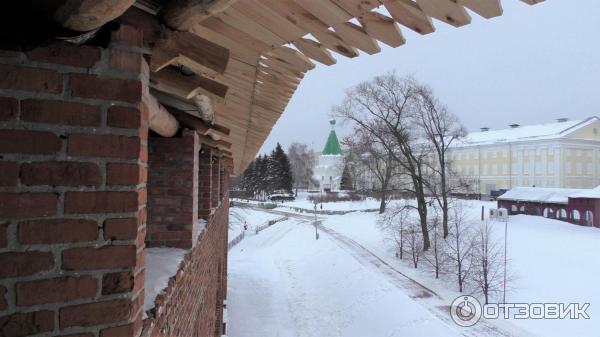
283,282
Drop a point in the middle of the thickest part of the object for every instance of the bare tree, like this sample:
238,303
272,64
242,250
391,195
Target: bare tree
459,244
385,107
412,240
375,157
436,257
302,162
395,221
441,129
488,263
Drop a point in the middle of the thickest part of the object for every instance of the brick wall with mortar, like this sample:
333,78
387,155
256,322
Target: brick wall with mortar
205,202
173,190
192,303
73,155
215,180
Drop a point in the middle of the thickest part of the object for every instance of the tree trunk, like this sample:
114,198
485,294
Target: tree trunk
382,203
444,199
423,220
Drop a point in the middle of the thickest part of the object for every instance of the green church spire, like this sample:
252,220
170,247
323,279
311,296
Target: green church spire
332,147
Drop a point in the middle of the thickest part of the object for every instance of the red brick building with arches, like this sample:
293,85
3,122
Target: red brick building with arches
577,206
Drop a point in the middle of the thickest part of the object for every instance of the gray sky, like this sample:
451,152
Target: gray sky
531,65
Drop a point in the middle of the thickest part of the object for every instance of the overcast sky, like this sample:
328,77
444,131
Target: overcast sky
531,65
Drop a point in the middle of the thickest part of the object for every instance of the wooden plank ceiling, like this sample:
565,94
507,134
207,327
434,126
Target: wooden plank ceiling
273,43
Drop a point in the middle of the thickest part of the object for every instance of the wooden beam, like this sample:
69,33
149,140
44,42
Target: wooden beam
357,8
159,119
184,14
382,28
325,10
275,61
486,8
83,15
357,37
190,49
195,123
315,51
171,81
292,56
409,14
270,19
447,11
307,21
335,43
239,20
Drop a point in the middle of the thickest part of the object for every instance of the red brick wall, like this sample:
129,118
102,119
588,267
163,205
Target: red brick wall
192,304
205,202
72,189
215,180
173,190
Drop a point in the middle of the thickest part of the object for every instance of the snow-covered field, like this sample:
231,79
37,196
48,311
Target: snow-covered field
328,288
550,261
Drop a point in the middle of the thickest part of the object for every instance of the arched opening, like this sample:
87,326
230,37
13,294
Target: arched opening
589,218
514,209
522,209
548,212
575,216
561,214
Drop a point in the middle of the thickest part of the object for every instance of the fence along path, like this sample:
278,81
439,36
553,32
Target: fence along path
257,230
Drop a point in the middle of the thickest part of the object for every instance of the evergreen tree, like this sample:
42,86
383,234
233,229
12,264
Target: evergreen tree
248,179
346,183
280,170
263,179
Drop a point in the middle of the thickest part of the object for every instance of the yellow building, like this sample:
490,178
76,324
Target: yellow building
564,154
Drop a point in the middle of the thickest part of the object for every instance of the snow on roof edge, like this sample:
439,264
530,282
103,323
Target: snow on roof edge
524,133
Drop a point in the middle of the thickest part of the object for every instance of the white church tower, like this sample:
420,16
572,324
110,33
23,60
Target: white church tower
330,164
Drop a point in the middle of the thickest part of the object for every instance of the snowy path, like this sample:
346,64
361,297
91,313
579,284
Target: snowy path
283,282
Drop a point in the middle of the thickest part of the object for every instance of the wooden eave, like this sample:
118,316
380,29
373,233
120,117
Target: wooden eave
249,56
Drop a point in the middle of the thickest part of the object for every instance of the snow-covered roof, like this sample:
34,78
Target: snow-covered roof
549,194
592,193
525,133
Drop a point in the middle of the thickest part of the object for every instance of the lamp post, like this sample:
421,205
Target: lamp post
316,227
505,244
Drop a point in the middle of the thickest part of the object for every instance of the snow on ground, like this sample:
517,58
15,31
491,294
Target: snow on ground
285,283
161,264
550,261
305,287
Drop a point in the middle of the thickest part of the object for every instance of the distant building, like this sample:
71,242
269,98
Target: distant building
563,154
330,163
578,206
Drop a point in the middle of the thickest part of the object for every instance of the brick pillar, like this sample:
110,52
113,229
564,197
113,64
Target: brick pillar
205,202
173,190
216,181
72,189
